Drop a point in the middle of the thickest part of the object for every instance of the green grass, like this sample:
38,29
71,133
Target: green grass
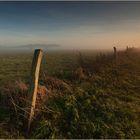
105,104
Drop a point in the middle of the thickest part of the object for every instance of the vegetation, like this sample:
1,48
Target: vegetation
81,95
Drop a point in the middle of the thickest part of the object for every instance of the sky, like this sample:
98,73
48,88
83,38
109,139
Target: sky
70,25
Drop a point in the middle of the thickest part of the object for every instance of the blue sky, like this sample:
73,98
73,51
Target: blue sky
85,25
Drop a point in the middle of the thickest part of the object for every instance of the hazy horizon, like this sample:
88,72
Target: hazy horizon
69,25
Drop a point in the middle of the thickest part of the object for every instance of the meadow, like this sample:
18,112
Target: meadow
84,94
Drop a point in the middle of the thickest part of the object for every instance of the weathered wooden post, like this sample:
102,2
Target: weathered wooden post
115,52
36,62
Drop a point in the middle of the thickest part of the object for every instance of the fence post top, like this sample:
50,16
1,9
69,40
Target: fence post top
36,50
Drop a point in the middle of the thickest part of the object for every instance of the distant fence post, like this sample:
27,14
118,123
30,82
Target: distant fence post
127,48
115,52
36,62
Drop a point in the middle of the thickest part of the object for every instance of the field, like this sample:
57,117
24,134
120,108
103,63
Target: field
82,95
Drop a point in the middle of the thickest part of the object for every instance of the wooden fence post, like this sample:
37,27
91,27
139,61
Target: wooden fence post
36,62
127,48
115,52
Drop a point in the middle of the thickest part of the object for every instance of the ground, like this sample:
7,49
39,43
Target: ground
87,96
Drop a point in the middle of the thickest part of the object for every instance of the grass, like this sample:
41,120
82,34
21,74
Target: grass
104,103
